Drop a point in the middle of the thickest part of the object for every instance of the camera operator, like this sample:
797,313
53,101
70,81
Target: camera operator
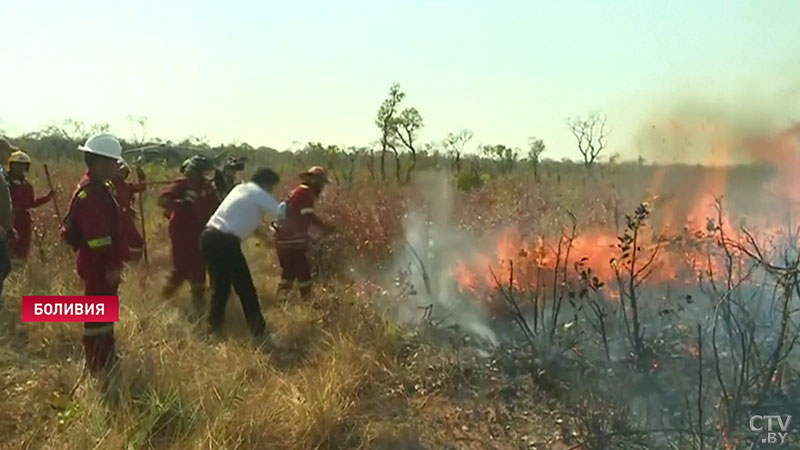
225,179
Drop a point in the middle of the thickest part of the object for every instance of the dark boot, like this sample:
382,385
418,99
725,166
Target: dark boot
99,347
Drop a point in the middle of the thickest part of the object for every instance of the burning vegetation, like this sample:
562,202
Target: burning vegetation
680,317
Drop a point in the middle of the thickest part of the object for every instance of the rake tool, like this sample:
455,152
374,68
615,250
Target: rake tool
141,215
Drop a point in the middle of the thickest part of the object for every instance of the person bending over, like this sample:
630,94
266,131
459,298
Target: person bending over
238,217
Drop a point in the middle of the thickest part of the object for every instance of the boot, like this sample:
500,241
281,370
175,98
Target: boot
100,352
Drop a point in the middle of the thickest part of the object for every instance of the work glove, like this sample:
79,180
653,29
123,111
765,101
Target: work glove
282,208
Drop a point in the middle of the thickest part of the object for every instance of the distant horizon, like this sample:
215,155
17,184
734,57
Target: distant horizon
275,74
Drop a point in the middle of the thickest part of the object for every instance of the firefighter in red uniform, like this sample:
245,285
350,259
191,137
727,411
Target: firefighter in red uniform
125,197
22,201
292,233
93,227
189,202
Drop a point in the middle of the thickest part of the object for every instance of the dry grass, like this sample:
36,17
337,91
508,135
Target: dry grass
176,390
325,387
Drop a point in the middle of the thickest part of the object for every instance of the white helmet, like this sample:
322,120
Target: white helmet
103,144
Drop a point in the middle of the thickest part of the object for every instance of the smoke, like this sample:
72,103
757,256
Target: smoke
424,259
717,128
755,124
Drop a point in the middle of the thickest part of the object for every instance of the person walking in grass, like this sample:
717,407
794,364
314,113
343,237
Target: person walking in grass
240,215
189,202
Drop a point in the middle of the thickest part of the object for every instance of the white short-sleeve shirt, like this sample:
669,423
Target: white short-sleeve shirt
243,210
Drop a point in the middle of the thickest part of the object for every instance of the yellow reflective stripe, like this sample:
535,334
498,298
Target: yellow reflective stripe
307,211
304,284
97,331
100,242
82,195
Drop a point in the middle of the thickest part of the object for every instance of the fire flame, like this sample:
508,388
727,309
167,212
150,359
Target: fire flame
529,264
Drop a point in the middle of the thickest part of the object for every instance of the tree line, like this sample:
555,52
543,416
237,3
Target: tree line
396,154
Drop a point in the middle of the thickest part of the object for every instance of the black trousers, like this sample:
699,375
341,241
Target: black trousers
228,268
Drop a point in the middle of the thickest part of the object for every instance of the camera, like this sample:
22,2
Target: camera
235,164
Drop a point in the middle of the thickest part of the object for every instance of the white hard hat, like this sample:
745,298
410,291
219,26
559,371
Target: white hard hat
103,144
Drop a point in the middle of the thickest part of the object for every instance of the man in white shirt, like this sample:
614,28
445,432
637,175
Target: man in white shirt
236,219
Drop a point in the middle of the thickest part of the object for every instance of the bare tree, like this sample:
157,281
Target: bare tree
591,134
406,128
371,159
138,129
386,122
353,154
535,149
75,130
455,143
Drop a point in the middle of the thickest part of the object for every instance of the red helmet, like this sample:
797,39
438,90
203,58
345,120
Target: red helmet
317,172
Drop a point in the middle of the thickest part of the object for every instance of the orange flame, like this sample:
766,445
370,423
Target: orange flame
530,264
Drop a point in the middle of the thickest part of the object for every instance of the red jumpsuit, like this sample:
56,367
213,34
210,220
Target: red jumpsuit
22,200
189,205
124,192
93,228
292,240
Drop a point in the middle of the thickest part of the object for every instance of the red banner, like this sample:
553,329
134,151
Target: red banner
70,308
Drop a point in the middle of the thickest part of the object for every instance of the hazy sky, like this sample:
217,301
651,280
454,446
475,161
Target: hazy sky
271,73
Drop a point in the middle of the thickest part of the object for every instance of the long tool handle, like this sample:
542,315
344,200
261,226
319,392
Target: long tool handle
141,218
50,186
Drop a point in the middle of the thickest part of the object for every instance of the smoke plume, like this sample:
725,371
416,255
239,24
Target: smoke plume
424,260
